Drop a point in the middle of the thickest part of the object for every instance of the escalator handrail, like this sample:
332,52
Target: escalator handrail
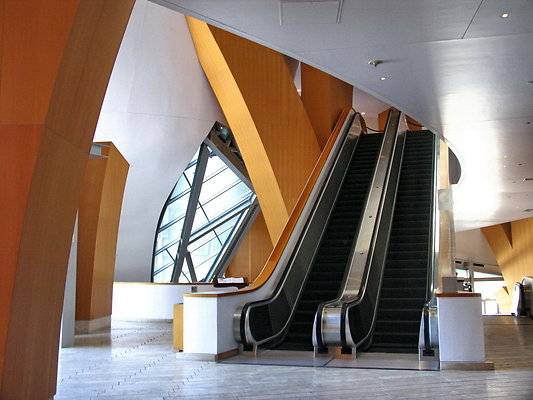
245,331
330,320
433,253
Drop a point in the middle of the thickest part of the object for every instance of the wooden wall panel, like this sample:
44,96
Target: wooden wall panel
64,106
412,123
256,92
515,253
324,97
17,167
31,49
243,126
253,252
278,112
98,218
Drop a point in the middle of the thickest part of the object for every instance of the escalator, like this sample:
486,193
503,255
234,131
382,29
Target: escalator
405,277
316,267
329,266
390,280
362,271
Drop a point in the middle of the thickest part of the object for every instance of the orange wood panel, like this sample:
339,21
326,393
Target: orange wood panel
514,258
98,219
71,108
412,123
279,247
252,253
32,45
324,97
17,167
268,89
243,126
257,94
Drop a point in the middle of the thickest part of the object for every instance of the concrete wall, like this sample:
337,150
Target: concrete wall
157,110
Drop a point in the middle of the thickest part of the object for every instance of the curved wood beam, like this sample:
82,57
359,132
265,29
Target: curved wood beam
56,59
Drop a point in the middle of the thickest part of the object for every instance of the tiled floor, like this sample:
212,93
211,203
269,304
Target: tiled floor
135,361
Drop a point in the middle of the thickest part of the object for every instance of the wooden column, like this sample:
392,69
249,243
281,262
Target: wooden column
511,244
98,219
324,97
56,58
255,90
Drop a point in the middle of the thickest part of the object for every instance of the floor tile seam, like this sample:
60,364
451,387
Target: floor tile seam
87,338
110,358
131,376
193,378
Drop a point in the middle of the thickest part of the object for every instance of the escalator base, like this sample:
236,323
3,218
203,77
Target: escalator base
307,359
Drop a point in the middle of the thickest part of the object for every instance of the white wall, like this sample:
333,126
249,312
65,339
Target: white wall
472,246
152,300
157,110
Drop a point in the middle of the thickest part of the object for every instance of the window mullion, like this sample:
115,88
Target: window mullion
188,220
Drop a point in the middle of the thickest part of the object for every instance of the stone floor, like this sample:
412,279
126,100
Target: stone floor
135,361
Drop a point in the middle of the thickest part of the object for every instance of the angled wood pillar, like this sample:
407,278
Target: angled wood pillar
98,221
324,97
55,61
511,245
255,90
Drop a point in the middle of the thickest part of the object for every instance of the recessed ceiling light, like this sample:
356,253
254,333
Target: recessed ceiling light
382,78
363,113
505,15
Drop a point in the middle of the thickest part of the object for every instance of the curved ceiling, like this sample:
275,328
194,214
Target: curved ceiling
457,66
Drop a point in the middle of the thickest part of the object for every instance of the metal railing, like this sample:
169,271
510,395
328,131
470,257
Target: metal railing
265,322
331,327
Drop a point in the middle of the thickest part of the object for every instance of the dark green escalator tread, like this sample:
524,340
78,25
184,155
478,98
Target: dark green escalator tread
330,262
404,281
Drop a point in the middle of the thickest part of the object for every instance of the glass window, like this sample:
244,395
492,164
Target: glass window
222,200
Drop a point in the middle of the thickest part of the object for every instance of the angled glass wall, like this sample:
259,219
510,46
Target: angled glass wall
207,213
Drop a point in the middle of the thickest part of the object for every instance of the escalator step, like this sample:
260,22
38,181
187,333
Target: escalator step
396,337
398,326
413,314
405,283
409,293
394,273
402,302
331,259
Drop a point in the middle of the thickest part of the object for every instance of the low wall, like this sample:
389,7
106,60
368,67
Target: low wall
140,300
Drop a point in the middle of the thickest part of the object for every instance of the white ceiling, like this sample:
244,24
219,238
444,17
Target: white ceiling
454,65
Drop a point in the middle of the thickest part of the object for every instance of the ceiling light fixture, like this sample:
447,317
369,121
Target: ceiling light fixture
363,113
382,78
375,63
505,15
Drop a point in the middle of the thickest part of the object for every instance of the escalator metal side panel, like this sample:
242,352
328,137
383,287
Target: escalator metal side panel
330,319
428,343
358,316
264,322
362,312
